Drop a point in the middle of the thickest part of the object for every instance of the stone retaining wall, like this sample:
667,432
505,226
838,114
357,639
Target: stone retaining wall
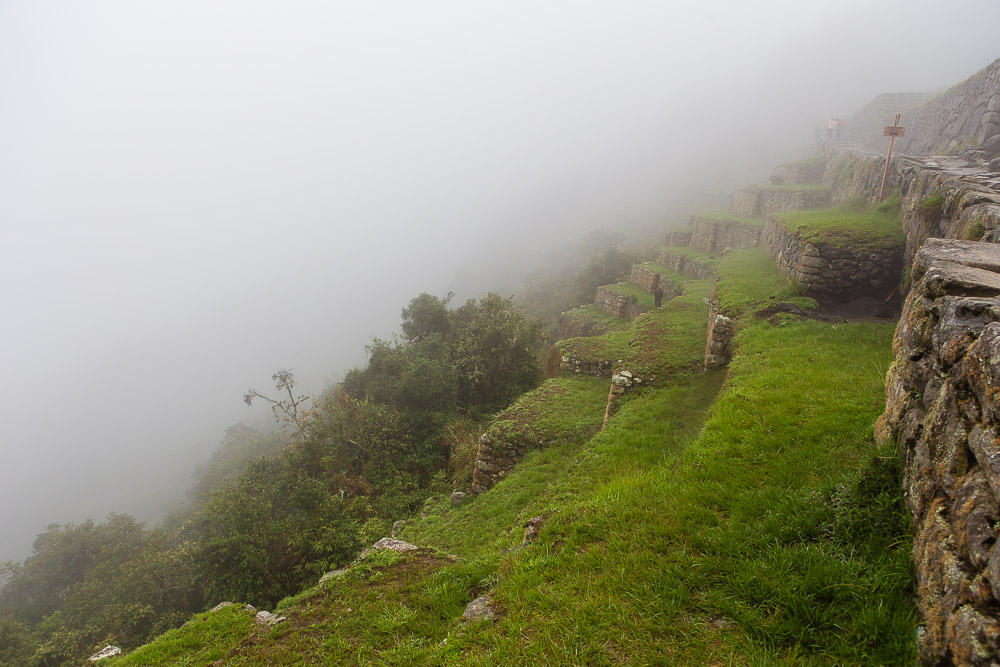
597,368
716,235
679,238
616,305
971,204
689,266
497,455
968,113
756,202
798,173
826,270
943,412
579,327
721,329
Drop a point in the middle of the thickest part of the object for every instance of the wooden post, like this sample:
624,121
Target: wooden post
891,131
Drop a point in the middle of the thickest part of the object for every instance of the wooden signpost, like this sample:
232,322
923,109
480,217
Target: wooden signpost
891,131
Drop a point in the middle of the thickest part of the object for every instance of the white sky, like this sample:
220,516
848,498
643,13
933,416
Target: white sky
195,194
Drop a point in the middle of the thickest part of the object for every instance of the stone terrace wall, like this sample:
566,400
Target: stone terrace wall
578,327
721,329
615,304
827,270
715,235
689,266
679,238
497,456
797,173
943,413
647,280
757,202
971,203
572,364
867,125
968,112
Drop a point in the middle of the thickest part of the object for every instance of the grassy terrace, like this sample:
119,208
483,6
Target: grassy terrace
748,278
757,526
682,321
638,296
726,216
672,277
563,409
591,313
694,253
642,348
854,224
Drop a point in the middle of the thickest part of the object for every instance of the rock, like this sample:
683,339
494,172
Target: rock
397,527
390,544
458,497
267,618
479,609
331,575
222,605
992,145
532,528
942,410
108,651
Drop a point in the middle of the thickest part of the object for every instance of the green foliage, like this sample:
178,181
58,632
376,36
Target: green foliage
426,315
932,206
239,447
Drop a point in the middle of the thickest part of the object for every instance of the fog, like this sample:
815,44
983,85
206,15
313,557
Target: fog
195,194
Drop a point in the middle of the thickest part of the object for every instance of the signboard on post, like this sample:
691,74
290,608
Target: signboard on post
891,131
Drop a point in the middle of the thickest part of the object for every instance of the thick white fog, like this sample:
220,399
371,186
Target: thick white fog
195,194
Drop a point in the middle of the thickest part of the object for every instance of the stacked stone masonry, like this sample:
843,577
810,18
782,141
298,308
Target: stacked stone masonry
967,114
679,238
573,325
495,458
798,173
721,329
714,236
648,280
828,270
616,305
757,202
685,264
971,201
943,412
597,368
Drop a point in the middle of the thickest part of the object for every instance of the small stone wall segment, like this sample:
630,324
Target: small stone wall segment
716,235
798,173
645,279
615,304
759,202
572,364
496,457
971,208
684,264
721,329
679,238
943,412
579,327
826,270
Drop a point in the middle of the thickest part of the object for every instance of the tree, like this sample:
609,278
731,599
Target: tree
289,409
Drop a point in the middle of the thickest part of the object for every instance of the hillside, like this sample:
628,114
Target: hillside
742,516
772,439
